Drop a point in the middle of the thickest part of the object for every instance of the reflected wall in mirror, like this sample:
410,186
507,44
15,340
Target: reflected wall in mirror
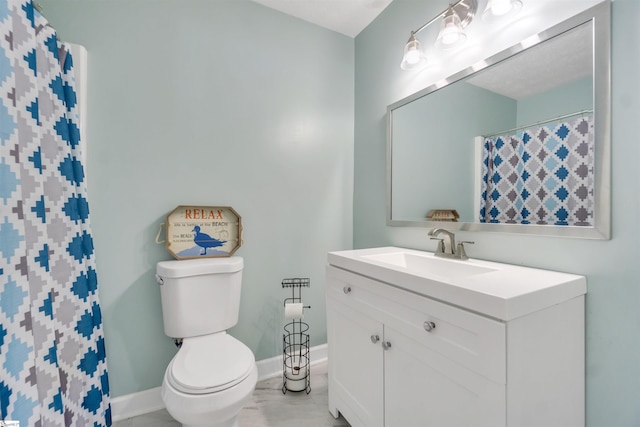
520,146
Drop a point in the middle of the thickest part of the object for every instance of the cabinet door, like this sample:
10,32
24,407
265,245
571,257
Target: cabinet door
355,365
426,389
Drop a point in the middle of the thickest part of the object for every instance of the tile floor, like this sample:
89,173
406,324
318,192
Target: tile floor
269,407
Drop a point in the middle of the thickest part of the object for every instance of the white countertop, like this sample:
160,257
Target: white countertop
501,291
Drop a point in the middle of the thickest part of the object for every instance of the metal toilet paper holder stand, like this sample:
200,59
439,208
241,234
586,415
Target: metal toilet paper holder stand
296,369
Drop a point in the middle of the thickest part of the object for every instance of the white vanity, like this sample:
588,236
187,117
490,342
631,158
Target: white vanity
418,341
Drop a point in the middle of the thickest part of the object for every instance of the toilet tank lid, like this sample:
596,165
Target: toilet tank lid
200,266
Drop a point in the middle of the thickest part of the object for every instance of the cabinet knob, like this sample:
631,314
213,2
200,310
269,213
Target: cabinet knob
429,326
386,345
375,338
346,289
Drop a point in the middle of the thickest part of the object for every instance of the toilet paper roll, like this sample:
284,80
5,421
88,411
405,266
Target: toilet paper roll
293,310
296,378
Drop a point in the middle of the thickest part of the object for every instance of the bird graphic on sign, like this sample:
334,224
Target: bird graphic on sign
205,241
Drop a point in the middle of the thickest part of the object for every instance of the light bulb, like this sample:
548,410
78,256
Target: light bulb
413,55
451,32
501,8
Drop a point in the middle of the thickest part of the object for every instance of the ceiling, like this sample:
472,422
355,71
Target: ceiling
556,62
347,17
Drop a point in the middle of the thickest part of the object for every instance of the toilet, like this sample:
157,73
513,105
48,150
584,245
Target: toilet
213,375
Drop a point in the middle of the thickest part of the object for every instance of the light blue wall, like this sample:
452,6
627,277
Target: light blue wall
612,268
570,98
220,102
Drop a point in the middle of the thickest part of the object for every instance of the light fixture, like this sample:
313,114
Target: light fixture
451,31
456,17
501,8
413,56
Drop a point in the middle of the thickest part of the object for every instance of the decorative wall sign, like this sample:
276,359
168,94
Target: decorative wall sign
203,231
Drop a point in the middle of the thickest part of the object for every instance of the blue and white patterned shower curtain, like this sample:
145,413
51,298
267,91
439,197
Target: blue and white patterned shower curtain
540,175
52,356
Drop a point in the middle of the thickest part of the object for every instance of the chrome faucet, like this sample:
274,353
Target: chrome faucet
446,244
447,247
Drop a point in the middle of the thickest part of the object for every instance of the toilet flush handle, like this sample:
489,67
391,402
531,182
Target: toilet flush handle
160,280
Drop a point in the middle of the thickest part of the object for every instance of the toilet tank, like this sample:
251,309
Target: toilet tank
199,296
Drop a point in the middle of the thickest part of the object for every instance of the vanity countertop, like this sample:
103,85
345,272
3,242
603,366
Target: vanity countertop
501,291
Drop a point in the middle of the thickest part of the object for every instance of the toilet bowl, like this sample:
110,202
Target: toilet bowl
209,381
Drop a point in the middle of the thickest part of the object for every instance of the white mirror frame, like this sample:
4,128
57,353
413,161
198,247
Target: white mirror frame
600,17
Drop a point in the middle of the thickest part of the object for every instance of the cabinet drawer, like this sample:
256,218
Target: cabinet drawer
471,340
353,291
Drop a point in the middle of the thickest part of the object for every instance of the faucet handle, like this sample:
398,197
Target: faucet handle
440,248
460,252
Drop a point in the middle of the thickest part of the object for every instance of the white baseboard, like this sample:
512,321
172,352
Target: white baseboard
134,404
143,402
272,367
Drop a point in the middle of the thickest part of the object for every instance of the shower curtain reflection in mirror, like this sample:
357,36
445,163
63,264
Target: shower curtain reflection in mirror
540,175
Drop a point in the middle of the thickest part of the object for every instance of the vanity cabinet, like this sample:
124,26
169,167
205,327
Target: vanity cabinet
356,343
398,358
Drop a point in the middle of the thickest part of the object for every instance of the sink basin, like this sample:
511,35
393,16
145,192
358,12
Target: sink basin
430,265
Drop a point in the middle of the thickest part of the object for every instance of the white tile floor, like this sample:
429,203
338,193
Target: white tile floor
269,407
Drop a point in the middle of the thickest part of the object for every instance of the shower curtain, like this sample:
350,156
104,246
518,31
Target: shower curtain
52,355
541,175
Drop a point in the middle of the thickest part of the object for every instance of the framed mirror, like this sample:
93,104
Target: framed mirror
519,144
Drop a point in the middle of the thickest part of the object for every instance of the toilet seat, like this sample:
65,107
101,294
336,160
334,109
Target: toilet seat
209,364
